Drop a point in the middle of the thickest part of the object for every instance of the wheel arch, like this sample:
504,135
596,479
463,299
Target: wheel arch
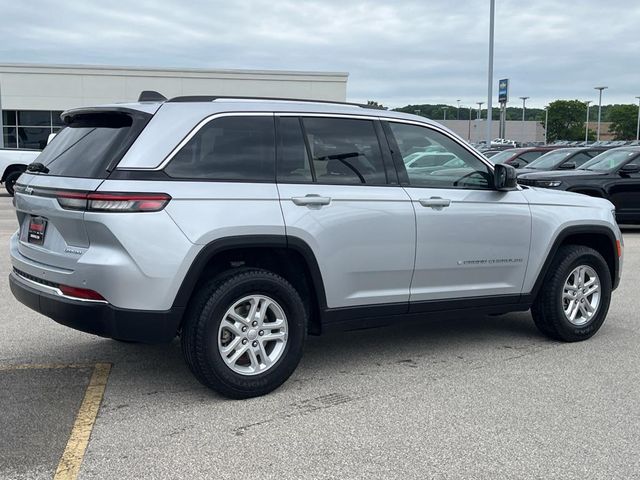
15,167
290,257
600,238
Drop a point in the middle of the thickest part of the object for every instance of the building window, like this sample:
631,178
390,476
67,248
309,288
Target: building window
29,129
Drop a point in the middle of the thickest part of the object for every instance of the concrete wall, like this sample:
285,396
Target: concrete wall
59,87
532,132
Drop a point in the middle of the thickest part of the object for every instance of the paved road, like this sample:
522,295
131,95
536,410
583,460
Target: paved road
483,397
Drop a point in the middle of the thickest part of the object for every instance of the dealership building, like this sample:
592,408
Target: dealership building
32,97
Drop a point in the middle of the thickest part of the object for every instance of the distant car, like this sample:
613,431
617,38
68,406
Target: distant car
12,163
491,153
562,159
520,157
614,175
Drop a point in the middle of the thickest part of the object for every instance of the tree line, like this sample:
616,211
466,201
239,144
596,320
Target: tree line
566,117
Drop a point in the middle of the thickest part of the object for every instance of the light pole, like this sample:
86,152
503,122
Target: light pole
492,11
586,127
599,110
524,100
444,110
458,113
546,123
638,126
470,113
480,110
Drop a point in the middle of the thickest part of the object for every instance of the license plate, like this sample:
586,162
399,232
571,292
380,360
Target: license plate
37,229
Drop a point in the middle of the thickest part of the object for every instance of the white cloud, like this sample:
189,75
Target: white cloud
400,52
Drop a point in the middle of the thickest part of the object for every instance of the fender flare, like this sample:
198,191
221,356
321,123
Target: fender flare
250,241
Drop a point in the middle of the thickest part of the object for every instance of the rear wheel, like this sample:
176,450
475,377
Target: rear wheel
574,300
244,333
10,181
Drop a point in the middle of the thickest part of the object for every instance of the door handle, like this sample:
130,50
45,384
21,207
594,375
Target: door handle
437,203
311,200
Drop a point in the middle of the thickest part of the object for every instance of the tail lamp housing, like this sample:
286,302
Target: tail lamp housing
113,202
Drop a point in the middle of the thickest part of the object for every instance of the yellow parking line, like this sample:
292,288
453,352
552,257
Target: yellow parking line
44,366
69,465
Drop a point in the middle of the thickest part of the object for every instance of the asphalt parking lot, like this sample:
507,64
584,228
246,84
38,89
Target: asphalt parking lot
481,397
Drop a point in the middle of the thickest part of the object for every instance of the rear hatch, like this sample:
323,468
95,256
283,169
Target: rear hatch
73,165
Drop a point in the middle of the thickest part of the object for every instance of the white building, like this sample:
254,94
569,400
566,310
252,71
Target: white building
33,96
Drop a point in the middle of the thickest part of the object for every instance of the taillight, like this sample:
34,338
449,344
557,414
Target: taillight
113,202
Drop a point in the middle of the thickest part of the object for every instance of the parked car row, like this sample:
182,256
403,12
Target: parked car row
613,174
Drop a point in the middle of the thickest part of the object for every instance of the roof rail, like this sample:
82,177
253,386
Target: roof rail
151,96
211,98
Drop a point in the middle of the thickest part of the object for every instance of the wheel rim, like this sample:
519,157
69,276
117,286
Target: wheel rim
253,335
581,295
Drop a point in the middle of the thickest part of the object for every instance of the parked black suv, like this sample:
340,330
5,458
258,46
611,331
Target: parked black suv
614,175
562,159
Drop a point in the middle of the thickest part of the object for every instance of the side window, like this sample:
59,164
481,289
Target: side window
581,158
434,160
529,157
228,148
293,161
345,151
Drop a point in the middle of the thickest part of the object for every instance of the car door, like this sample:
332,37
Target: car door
624,191
472,241
339,194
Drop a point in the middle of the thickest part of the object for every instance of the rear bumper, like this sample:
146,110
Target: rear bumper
100,318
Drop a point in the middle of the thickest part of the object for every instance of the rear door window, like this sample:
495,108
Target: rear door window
238,148
92,144
344,151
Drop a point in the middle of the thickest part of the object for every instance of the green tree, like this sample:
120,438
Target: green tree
566,120
623,120
374,104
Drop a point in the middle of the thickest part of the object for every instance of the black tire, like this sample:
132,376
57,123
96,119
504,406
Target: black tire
10,181
202,321
547,310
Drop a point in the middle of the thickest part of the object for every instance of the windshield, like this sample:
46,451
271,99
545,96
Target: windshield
608,161
550,160
503,156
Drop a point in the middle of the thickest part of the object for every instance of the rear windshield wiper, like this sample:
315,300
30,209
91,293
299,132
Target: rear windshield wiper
37,167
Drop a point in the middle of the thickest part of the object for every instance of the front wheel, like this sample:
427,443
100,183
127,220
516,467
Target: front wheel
575,297
244,333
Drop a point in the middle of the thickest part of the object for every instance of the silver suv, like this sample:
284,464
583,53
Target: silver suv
242,225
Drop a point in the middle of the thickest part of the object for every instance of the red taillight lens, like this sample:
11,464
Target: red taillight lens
82,293
113,202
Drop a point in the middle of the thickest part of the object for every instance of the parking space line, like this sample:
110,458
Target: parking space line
71,460
44,366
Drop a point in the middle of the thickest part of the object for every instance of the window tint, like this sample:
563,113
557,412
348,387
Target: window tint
530,156
228,148
345,151
581,158
450,165
293,161
91,144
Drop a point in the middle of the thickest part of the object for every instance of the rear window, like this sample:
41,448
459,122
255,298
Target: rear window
92,144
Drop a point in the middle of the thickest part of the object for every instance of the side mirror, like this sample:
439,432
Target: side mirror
504,177
630,168
514,164
567,166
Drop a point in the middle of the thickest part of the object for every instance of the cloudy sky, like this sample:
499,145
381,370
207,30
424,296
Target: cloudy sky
396,52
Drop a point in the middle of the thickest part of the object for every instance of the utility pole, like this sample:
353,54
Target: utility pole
546,123
599,110
492,11
444,111
524,100
458,114
480,110
470,113
586,127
